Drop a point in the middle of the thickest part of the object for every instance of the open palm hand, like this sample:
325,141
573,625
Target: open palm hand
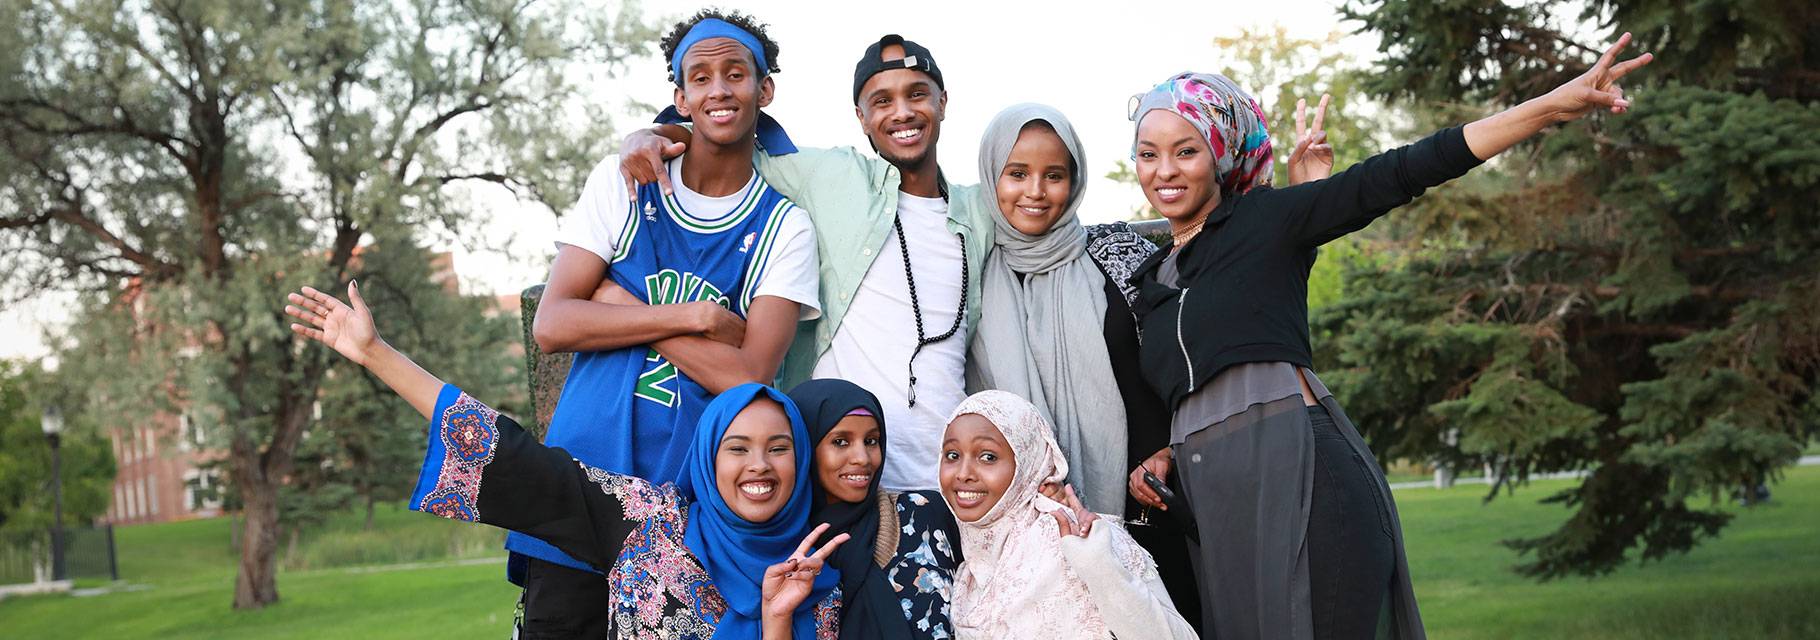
348,329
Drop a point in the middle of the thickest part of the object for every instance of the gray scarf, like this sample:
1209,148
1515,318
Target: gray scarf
1042,338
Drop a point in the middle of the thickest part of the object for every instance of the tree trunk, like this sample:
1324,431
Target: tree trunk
259,475
369,523
257,584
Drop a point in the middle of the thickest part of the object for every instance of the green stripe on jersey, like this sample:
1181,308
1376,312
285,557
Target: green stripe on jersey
702,225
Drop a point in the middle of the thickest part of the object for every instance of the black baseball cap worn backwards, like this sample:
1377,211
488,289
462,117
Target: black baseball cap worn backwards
915,57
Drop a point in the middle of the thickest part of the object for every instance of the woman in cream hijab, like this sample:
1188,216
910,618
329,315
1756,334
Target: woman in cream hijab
1035,568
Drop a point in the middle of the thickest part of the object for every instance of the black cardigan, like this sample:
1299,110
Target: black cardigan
1243,281
1117,251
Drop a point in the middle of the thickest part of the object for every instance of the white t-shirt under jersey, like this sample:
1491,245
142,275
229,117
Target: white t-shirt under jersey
873,345
599,218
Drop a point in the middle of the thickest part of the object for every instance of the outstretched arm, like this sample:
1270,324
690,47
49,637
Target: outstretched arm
1598,88
348,329
480,467
1323,210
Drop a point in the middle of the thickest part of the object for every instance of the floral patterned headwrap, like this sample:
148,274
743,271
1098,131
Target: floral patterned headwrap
1231,120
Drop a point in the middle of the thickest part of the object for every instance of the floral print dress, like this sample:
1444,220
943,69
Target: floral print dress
927,553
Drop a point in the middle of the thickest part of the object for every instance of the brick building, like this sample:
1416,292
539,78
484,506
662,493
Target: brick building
162,474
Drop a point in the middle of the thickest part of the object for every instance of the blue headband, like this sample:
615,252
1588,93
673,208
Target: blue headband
771,135
717,28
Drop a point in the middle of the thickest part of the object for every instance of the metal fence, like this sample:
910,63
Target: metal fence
88,552
24,559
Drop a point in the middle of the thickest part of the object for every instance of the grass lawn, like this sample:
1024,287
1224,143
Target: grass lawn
1758,580
189,569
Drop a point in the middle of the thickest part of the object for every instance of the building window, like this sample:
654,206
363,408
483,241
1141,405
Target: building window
192,486
151,492
199,490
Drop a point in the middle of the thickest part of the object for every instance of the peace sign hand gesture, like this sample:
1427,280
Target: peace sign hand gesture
1598,87
787,583
1312,158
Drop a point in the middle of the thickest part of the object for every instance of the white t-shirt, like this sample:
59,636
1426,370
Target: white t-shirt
873,345
599,218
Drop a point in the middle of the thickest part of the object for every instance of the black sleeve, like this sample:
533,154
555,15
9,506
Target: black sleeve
482,467
1319,212
1146,415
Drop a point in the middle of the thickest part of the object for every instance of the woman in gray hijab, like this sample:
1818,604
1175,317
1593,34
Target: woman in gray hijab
1057,327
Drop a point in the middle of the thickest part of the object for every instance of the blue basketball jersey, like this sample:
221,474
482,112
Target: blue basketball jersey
629,410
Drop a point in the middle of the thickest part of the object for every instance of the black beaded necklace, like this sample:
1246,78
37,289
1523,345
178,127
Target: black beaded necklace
916,308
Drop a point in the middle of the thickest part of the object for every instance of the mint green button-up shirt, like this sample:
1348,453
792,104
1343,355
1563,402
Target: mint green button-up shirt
851,196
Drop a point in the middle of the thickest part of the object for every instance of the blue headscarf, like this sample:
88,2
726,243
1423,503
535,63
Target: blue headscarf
771,136
736,552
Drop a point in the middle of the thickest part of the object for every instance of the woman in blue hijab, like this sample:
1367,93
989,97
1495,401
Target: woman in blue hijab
719,553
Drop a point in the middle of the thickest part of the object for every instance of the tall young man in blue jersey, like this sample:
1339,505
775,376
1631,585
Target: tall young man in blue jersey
901,252
669,298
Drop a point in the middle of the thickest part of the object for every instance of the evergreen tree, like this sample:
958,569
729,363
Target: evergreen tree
1632,297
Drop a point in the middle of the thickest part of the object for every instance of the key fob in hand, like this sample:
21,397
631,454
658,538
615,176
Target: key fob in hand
1156,484
1178,507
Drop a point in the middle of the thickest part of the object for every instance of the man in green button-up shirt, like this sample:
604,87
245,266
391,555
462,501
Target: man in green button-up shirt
896,325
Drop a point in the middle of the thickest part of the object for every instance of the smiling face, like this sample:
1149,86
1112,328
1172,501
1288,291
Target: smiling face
901,110
722,91
755,466
1034,185
848,458
1175,167
977,466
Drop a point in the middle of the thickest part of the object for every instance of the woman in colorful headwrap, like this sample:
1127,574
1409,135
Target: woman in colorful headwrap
720,553
1057,326
1034,567
897,574
1299,537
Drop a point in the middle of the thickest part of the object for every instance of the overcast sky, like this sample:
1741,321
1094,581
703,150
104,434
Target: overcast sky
1084,58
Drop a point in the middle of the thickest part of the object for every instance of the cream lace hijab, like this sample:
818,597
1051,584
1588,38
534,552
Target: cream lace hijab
1015,582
